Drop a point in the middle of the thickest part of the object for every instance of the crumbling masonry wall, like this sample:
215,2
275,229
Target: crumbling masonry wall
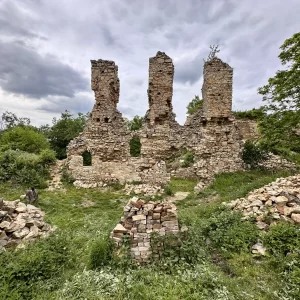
211,133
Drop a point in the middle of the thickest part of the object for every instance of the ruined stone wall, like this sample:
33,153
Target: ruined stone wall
248,129
211,134
217,89
107,138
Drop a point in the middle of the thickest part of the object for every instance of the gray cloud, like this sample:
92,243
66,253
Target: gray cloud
24,71
129,32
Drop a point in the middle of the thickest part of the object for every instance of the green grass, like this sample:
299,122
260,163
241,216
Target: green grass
57,268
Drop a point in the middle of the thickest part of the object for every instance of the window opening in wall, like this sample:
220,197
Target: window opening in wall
87,158
135,146
98,119
169,103
106,120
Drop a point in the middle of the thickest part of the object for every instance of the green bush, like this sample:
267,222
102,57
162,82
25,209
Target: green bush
101,253
66,177
188,159
229,233
252,114
23,138
282,239
26,168
168,190
135,146
20,271
253,154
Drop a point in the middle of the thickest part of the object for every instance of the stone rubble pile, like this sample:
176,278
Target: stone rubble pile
145,189
20,223
279,200
275,162
139,222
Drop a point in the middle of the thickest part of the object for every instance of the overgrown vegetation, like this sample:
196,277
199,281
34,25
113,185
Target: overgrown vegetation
135,146
256,114
253,154
281,126
194,105
213,262
26,168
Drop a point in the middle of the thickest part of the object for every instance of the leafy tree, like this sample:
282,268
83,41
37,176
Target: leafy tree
10,119
194,105
23,138
281,127
135,124
64,130
283,90
252,114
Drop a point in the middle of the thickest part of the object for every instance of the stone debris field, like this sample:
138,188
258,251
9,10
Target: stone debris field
279,200
20,223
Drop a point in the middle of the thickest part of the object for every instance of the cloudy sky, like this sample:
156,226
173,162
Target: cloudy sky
46,47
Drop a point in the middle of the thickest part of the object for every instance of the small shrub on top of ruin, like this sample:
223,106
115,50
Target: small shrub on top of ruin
188,160
253,154
214,49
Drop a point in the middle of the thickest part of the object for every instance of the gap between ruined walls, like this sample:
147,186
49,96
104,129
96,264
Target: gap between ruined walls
212,134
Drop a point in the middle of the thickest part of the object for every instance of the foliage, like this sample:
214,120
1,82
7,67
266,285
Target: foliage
188,159
253,154
194,105
87,158
229,233
26,168
252,114
135,146
281,127
10,120
135,124
214,49
101,253
23,138
279,131
283,239
64,130
197,274
168,190
282,90
36,263
66,177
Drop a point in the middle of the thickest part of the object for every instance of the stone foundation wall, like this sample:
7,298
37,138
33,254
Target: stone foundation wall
139,222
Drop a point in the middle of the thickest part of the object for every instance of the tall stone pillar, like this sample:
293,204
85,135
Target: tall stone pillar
160,91
217,89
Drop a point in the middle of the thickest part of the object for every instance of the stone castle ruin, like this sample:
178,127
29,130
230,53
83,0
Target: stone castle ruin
212,134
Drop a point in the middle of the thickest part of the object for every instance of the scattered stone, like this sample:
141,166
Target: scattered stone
258,248
283,202
25,224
